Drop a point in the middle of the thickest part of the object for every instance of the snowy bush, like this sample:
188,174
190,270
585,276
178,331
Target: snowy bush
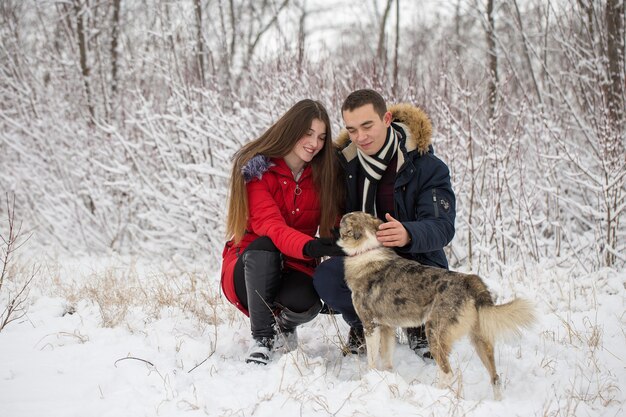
118,121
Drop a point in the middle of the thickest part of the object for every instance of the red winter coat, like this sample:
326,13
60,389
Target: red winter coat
275,211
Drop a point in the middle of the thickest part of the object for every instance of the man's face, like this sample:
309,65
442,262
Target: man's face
366,128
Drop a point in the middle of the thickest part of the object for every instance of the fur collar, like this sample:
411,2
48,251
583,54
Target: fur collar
256,167
411,119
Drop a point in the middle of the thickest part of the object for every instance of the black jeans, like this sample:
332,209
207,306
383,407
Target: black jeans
296,291
329,281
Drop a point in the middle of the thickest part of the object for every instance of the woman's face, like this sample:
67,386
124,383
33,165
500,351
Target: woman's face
311,143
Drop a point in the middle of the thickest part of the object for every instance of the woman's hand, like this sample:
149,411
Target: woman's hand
322,246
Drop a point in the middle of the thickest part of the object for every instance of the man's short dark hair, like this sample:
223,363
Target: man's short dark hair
360,98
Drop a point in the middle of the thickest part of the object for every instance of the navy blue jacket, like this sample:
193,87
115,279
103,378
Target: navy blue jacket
423,198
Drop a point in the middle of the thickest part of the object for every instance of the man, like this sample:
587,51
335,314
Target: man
391,172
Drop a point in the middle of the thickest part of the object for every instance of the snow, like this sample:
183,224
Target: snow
175,347
145,336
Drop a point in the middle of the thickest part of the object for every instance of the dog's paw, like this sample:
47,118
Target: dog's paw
387,367
445,380
497,390
497,393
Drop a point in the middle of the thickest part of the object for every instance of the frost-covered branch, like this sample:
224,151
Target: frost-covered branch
13,293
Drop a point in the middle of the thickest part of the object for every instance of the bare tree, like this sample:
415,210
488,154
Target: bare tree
233,37
380,49
79,10
492,58
526,49
197,5
115,28
616,69
394,88
16,305
263,27
615,96
301,35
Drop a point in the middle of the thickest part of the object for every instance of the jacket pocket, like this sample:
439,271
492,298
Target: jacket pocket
435,203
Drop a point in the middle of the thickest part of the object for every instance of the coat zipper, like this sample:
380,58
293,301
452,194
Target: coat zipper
297,191
435,205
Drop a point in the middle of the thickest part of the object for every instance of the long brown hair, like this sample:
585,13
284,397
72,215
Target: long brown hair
276,142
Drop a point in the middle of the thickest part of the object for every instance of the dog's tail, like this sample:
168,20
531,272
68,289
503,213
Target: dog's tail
512,317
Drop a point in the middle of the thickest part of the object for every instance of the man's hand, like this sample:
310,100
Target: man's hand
392,233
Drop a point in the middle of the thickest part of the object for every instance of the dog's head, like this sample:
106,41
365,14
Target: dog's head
358,232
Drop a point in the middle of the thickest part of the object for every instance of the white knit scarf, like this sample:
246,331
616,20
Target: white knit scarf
374,167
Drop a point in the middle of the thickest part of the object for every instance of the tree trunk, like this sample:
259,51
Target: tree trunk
301,38
82,48
492,87
394,89
380,51
615,48
199,41
527,53
255,38
457,29
233,37
115,25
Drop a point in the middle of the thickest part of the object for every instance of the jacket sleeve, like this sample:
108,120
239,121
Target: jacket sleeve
432,227
267,220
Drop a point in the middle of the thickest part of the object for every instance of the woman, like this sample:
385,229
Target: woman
279,184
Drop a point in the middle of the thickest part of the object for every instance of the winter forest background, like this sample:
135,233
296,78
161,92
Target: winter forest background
118,122
118,119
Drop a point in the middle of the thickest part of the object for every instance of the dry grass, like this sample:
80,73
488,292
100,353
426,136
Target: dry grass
117,290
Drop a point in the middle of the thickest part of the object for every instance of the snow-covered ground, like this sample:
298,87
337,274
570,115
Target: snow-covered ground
127,337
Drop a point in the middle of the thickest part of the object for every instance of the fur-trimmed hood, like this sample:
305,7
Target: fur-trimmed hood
256,167
414,122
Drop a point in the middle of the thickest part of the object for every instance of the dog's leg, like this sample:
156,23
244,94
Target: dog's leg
440,346
485,352
387,346
372,343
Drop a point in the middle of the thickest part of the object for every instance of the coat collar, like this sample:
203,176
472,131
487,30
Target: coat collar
411,119
280,167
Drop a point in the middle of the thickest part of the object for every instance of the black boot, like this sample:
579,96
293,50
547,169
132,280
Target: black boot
286,322
356,342
418,342
327,310
260,351
263,276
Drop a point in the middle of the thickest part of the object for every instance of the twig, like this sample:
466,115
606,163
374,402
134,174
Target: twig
9,241
15,305
200,364
134,358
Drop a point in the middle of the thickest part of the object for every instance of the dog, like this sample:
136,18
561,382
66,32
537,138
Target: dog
389,291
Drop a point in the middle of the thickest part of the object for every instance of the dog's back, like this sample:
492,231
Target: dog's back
401,292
